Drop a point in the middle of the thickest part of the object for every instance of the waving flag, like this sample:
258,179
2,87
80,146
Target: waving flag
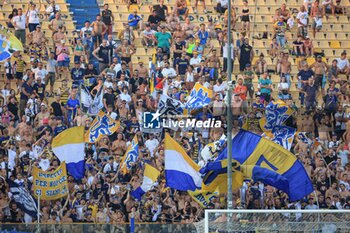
213,148
169,106
265,161
23,199
102,125
150,176
8,44
181,172
283,136
69,146
277,112
200,96
91,105
130,157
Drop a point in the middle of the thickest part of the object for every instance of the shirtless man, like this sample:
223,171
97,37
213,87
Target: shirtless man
119,146
125,51
188,27
56,23
284,67
308,125
301,148
98,30
59,36
214,63
143,71
320,68
237,106
315,13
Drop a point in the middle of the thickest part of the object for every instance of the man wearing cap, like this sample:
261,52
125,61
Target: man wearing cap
320,68
343,64
37,36
77,74
195,61
134,20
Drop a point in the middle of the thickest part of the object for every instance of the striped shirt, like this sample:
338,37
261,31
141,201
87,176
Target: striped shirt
20,66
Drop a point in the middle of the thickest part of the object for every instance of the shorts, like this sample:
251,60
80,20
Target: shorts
97,38
76,58
19,75
182,11
318,80
9,76
126,59
63,63
50,78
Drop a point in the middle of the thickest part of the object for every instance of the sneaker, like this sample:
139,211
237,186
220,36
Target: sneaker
195,11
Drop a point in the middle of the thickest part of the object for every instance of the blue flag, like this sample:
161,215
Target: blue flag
283,135
265,161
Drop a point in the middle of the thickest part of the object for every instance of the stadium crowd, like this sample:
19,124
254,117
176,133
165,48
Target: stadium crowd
40,99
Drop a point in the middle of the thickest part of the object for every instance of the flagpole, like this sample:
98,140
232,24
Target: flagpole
229,113
38,210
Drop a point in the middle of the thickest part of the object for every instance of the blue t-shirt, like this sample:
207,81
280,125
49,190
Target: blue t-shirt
77,74
135,20
305,75
59,129
203,37
28,89
72,104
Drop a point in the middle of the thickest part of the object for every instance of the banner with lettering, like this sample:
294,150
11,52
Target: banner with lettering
50,185
203,197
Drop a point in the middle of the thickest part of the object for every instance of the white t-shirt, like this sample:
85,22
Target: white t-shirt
149,33
20,22
169,72
342,63
40,74
33,16
224,3
86,29
50,9
125,97
219,88
195,61
302,16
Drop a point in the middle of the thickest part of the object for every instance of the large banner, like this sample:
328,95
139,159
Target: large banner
50,185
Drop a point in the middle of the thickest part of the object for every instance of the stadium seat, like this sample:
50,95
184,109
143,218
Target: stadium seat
335,44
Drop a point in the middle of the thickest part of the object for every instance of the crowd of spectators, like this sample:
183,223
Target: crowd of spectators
40,99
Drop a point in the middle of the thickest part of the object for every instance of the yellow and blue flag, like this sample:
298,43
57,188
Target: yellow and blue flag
130,157
150,176
277,112
8,44
265,161
69,146
181,172
103,125
199,97
283,136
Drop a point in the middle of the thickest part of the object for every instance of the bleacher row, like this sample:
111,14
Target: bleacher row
332,40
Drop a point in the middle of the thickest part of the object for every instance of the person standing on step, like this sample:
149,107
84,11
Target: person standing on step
99,29
101,53
108,18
